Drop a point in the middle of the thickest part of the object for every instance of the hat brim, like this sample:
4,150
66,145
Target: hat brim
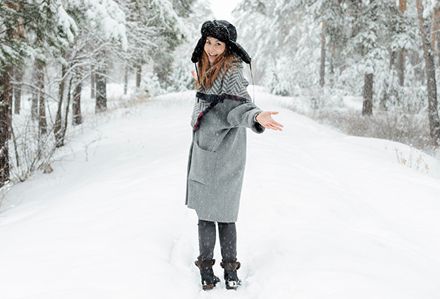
198,50
233,46
237,49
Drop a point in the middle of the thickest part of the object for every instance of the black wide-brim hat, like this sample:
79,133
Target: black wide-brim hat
223,31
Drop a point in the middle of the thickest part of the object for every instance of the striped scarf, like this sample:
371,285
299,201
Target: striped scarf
230,85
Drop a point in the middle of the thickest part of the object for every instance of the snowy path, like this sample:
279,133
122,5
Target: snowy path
323,215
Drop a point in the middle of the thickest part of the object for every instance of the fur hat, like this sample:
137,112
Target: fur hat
223,31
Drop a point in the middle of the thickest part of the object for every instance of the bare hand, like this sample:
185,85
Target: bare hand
266,120
194,75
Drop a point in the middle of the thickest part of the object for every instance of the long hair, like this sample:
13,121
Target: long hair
207,73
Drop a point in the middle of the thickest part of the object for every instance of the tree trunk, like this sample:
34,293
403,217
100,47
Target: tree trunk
401,67
438,46
5,131
76,104
386,83
101,91
58,120
434,122
401,53
18,72
332,60
34,105
92,83
138,75
42,122
11,94
402,5
322,65
367,107
126,79
66,115
435,31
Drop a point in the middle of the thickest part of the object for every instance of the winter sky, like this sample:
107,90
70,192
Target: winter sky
222,8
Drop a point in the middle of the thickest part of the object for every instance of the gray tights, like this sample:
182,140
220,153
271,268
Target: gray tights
207,237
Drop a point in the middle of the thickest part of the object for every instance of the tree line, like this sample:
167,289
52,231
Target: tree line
384,50
62,46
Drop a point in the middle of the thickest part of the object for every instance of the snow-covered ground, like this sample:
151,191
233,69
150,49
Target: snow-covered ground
323,215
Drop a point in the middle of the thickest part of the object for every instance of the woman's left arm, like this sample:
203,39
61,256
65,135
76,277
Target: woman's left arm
247,114
244,116
250,116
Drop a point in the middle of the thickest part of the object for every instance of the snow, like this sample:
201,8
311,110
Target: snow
222,9
67,23
323,215
106,16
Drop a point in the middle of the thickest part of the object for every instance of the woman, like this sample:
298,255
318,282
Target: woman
222,112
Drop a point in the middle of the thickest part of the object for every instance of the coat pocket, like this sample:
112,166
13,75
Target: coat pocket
203,165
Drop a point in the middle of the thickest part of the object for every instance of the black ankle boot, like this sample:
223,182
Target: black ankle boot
231,280
209,280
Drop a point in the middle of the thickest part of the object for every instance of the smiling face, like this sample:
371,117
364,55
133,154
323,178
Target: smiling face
214,48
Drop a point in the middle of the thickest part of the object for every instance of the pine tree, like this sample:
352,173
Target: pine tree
193,15
170,33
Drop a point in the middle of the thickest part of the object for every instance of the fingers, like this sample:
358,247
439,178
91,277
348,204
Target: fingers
193,73
277,123
277,128
269,123
274,122
273,126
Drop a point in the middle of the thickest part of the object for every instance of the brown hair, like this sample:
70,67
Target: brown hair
207,73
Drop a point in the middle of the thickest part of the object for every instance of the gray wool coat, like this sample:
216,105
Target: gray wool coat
217,155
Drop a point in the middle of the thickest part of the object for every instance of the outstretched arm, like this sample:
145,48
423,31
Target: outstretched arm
244,116
247,114
250,116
